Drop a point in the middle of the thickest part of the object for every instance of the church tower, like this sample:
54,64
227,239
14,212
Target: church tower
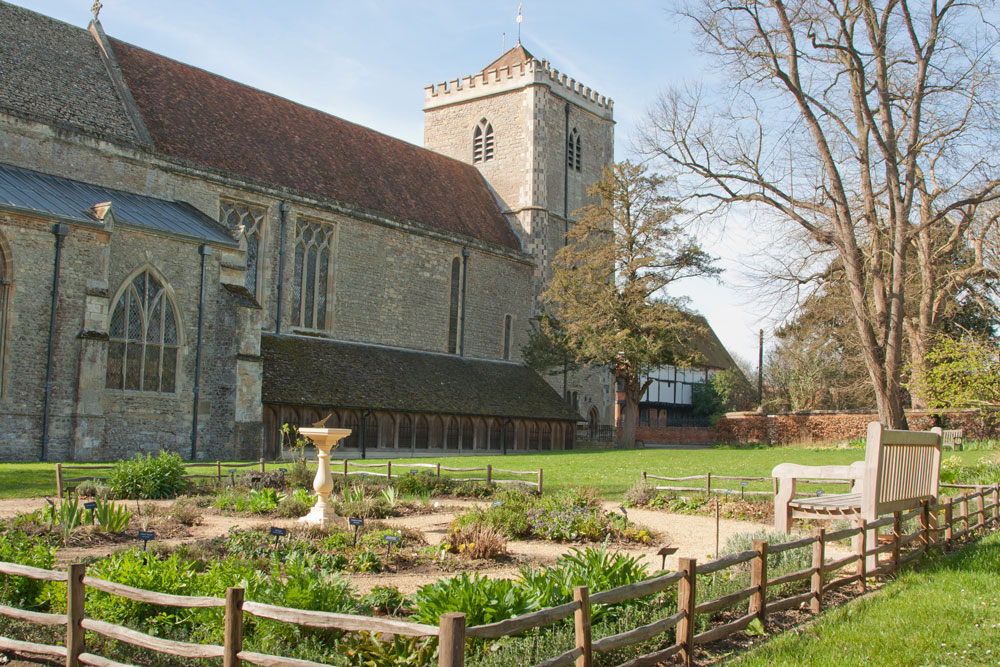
540,139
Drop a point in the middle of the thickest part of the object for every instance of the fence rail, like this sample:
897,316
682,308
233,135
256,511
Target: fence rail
937,522
489,477
62,468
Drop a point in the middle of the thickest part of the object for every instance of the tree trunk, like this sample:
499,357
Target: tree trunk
630,413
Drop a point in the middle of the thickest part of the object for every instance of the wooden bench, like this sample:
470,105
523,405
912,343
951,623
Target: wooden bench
899,472
952,438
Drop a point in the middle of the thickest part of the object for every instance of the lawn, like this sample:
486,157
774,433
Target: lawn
945,612
612,472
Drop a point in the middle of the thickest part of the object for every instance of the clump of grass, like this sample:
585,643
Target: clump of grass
476,542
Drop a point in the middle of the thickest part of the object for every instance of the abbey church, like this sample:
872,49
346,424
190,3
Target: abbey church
187,263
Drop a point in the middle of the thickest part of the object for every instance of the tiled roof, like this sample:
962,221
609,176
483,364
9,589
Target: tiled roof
32,191
514,56
708,346
212,121
331,374
53,71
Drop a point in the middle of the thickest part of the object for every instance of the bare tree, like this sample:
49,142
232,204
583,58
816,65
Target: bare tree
867,128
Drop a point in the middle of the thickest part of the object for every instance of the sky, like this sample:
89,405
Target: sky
368,61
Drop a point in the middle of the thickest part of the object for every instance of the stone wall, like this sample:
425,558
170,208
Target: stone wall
840,426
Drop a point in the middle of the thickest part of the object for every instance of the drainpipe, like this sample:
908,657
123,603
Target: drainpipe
461,335
364,431
60,231
204,251
283,209
566,232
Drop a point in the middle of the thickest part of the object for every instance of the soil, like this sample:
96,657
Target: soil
694,537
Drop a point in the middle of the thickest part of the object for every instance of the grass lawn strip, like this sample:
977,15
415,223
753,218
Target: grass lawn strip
611,472
946,611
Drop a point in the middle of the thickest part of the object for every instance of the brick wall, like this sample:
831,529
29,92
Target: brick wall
677,435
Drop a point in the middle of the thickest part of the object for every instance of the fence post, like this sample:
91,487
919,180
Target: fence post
388,471
539,481
819,555
59,481
925,524
218,471
582,623
981,504
345,469
708,485
262,468
233,629
860,547
451,640
438,469
75,594
489,473
949,516
897,533
758,580
643,476
686,603
963,509
996,503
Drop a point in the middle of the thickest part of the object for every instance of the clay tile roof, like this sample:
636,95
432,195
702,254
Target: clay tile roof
215,122
331,374
52,71
514,56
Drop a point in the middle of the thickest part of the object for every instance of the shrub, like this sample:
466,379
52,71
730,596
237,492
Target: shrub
255,479
264,501
640,495
384,600
483,600
292,507
476,541
111,517
144,476
185,511
17,547
93,489
299,474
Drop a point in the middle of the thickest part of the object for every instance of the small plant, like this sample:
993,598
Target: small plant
385,600
185,511
263,501
111,517
304,497
476,541
292,507
233,500
144,476
92,489
483,600
390,495
67,515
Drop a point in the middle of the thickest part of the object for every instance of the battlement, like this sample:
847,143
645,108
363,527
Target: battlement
511,77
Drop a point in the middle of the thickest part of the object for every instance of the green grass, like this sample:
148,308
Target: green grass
612,472
945,612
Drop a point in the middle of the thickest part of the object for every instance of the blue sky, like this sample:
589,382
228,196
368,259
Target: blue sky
368,62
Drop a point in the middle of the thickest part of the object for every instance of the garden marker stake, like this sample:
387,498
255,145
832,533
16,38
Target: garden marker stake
278,534
356,523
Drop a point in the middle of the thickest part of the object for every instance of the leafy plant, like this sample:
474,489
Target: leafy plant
264,500
111,517
390,495
483,600
144,476
384,600
18,547
476,541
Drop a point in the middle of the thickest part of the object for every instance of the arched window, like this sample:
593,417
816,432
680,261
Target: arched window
496,434
311,281
468,434
451,437
573,150
546,436
142,338
482,142
421,433
456,279
533,436
506,337
404,432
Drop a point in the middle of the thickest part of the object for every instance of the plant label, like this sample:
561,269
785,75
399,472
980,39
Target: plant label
391,539
744,484
145,536
354,521
278,532
497,503
282,470
820,492
90,506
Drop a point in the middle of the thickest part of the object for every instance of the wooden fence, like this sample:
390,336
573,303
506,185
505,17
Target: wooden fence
62,481
938,524
489,476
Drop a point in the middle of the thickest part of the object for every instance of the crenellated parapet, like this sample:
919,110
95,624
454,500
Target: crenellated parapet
512,77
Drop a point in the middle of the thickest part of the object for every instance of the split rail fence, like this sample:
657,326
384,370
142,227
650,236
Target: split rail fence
62,481
489,477
938,524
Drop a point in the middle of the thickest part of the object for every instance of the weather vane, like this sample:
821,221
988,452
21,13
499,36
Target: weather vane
519,18
96,8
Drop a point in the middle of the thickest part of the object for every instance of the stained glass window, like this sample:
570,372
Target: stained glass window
142,339
311,274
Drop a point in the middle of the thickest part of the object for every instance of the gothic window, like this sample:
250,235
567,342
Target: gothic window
468,434
533,436
506,337
451,434
482,142
421,433
404,432
142,338
456,277
311,282
546,436
251,220
573,150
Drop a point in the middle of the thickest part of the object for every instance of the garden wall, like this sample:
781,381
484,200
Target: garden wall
832,426
677,435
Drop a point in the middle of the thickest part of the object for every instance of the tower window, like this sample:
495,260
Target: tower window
310,285
573,150
456,273
142,338
506,337
482,142
251,220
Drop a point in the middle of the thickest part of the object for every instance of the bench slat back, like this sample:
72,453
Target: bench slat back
901,469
